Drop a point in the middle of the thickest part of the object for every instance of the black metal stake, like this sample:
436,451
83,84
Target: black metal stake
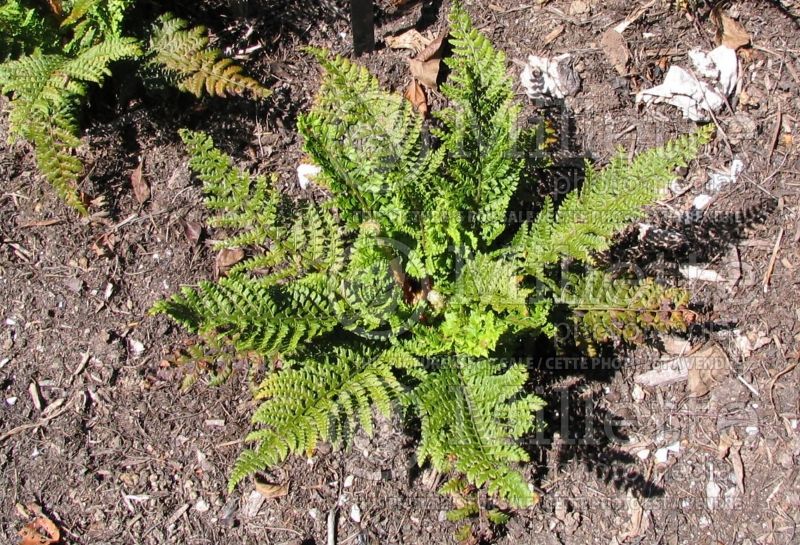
363,25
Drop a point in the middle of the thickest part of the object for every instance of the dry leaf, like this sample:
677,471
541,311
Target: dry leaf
55,7
416,95
638,521
425,66
733,33
272,490
706,367
554,34
140,188
192,231
41,531
433,49
410,39
427,72
616,50
227,258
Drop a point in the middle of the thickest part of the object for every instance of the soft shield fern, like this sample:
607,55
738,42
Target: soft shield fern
399,292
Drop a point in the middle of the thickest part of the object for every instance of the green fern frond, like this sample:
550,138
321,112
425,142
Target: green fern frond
47,92
609,200
470,412
479,132
317,399
184,53
25,30
369,145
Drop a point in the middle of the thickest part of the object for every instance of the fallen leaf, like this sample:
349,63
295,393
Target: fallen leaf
635,526
192,231
731,33
706,367
433,49
427,72
411,39
272,490
141,190
554,34
425,66
41,531
227,258
55,7
750,342
416,95
616,49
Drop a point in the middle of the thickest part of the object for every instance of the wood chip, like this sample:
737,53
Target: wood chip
616,50
554,34
41,531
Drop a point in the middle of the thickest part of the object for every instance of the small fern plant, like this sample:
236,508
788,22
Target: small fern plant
408,290
57,57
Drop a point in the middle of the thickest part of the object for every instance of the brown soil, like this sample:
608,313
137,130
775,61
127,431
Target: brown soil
115,454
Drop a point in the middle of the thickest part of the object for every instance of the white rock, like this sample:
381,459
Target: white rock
355,513
306,173
348,481
11,401
702,201
643,454
201,506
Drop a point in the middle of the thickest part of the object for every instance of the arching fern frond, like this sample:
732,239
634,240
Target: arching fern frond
471,412
609,200
184,53
321,398
47,93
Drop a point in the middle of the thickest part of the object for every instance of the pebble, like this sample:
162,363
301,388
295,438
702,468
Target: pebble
355,513
201,506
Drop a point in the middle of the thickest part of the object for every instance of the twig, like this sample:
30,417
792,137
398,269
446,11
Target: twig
776,134
34,425
772,260
332,526
788,369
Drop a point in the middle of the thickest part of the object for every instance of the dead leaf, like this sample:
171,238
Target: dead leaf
553,34
192,231
427,72
272,490
616,50
707,366
141,190
41,531
416,95
732,33
411,39
425,66
227,258
56,7
433,49
638,521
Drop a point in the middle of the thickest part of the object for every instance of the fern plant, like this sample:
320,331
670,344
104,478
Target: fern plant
59,61
408,288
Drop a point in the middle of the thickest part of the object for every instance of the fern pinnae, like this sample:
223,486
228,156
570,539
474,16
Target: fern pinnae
184,53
